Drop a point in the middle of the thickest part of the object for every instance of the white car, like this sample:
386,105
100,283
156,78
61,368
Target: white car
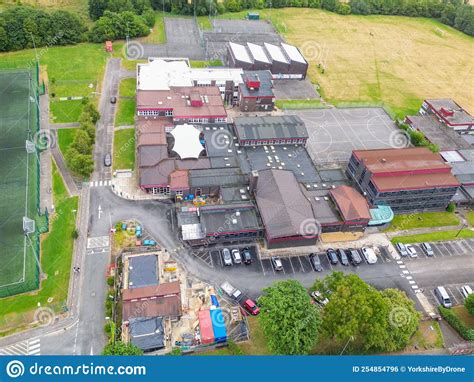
369,255
466,291
411,250
277,264
236,256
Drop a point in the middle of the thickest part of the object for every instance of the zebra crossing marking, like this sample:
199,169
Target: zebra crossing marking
30,347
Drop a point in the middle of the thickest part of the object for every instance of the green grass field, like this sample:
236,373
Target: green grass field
65,138
56,258
68,71
128,87
434,236
423,220
124,149
125,112
470,217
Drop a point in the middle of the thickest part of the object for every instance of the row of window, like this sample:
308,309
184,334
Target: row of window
275,142
166,113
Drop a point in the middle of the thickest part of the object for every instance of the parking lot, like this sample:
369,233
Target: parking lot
444,249
291,265
334,133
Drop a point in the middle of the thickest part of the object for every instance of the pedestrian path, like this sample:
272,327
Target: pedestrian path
101,183
30,347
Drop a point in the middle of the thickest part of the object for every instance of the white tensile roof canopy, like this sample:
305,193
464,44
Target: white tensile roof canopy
186,141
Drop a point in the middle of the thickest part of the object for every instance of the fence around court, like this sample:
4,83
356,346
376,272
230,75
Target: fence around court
19,180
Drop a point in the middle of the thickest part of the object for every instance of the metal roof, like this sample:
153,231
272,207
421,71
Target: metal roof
147,333
142,270
229,218
228,176
271,127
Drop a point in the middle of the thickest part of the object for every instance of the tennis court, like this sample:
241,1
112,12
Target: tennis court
19,172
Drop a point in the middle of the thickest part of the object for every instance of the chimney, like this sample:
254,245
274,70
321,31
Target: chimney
253,182
252,81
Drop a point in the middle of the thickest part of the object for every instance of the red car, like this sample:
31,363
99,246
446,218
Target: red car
251,307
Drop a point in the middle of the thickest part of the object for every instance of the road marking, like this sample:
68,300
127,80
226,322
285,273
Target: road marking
406,272
97,242
452,294
412,282
403,266
409,277
31,347
399,262
100,183
34,347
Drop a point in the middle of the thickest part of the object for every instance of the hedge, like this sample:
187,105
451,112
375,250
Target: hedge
456,323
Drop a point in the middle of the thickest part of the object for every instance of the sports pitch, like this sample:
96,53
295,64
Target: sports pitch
18,183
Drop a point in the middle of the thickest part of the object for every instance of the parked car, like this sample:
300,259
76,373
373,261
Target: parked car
443,297
466,291
236,256
331,253
251,307
315,262
411,250
319,298
226,257
369,255
402,250
342,257
113,99
138,231
231,291
149,243
107,160
246,256
426,247
354,256
277,264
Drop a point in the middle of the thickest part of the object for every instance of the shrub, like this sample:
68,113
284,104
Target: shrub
110,281
469,304
456,323
451,207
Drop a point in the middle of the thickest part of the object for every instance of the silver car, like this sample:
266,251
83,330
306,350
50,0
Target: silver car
427,249
226,257
401,249
236,256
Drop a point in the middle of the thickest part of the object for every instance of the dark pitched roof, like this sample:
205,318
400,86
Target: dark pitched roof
284,209
351,203
151,291
166,306
272,127
142,271
147,333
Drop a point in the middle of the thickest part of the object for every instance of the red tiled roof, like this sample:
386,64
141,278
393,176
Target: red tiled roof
178,180
351,203
169,306
415,182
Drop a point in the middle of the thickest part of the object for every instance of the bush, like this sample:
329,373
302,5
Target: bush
115,26
451,207
456,323
75,234
110,281
469,304
234,349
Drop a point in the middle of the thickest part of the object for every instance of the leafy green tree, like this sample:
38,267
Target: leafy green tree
403,319
356,313
469,303
232,5
417,138
82,142
121,348
288,319
90,109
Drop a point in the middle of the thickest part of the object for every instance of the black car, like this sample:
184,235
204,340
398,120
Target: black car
332,256
246,256
354,256
342,257
315,262
113,99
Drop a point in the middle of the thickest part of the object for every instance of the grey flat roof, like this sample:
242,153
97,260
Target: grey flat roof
143,271
216,177
437,133
273,127
323,209
147,333
266,84
229,218
234,194
460,116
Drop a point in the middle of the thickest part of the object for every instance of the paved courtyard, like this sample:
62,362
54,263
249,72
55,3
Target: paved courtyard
334,133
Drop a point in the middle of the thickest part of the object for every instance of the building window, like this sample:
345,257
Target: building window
258,100
179,192
168,113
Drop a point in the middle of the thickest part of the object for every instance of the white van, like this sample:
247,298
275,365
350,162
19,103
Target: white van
443,297
466,291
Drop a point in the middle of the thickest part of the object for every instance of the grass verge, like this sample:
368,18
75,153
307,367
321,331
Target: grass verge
434,236
65,138
124,149
299,104
470,217
128,87
423,220
125,112
205,64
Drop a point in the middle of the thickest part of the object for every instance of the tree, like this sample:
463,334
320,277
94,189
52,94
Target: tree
451,207
90,109
469,303
288,319
121,348
82,142
356,311
403,319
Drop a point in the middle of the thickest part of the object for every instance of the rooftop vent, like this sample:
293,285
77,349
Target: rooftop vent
383,160
234,221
